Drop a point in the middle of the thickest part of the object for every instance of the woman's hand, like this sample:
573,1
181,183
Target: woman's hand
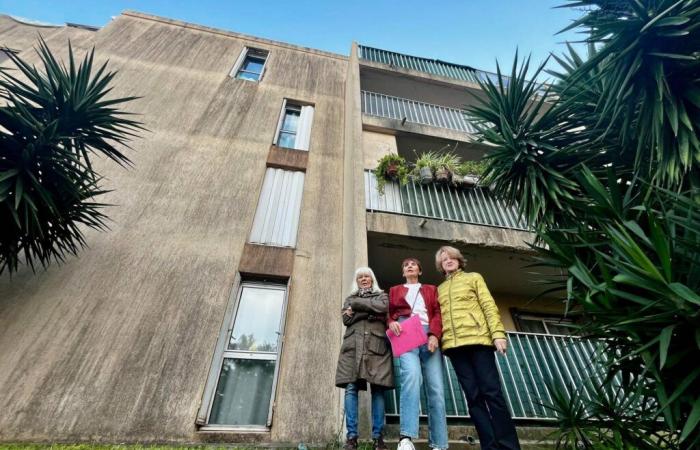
433,343
348,312
501,345
395,327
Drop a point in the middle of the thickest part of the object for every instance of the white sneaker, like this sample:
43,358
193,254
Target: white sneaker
405,444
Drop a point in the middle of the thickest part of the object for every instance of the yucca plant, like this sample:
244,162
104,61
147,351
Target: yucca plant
604,164
53,119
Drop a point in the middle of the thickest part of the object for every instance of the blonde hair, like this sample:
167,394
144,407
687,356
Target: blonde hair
452,253
354,288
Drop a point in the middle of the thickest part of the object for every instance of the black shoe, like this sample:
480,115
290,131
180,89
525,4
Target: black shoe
350,444
378,444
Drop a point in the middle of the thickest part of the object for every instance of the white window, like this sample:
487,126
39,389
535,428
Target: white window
248,367
277,216
250,64
544,324
294,128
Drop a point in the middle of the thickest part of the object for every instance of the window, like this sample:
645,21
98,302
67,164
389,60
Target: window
544,324
250,64
294,128
277,215
246,384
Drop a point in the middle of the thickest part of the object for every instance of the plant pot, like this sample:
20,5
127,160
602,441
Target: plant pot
392,171
469,181
442,176
426,175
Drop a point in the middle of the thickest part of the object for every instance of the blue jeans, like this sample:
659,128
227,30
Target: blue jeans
417,366
351,410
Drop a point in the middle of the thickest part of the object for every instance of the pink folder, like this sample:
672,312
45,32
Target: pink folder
412,336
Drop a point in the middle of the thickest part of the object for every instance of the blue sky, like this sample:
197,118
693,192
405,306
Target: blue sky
472,32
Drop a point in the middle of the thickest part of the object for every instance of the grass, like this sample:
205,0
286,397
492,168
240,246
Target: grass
116,447
363,446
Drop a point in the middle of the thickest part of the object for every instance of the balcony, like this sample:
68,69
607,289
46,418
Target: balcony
473,206
403,109
531,359
425,65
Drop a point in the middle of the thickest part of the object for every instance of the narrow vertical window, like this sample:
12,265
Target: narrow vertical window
294,129
250,64
290,126
246,385
277,215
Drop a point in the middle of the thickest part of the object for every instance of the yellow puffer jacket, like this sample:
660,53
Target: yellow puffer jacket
469,314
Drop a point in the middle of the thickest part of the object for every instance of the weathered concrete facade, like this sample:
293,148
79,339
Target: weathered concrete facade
120,343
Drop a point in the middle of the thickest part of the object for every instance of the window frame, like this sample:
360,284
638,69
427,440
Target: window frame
222,352
237,67
280,121
544,318
289,106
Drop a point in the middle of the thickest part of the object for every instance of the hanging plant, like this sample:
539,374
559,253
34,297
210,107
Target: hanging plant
390,167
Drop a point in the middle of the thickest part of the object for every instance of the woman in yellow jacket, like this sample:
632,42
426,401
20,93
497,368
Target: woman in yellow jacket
471,331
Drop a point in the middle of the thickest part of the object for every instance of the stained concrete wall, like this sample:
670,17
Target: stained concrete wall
375,146
22,37
455,232
116,344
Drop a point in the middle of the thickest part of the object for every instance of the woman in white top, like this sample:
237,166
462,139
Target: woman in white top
423,363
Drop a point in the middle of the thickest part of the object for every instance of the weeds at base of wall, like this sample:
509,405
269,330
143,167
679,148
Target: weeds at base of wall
330,446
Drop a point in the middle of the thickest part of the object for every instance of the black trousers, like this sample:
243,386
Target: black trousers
476,371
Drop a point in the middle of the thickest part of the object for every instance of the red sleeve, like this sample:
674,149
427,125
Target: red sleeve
435,317
392,302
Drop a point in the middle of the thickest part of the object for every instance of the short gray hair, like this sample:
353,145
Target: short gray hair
354,288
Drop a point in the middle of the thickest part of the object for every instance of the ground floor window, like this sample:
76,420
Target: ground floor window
543,323
245,389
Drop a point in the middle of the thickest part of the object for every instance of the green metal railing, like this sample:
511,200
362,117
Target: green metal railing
530,360
476,206
430,66
382,105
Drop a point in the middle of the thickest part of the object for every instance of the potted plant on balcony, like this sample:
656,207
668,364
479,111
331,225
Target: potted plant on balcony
445,166
390,167
424,166
470,172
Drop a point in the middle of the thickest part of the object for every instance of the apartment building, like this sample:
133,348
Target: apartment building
211,309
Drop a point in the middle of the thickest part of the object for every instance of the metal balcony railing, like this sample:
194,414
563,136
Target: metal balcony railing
429,66
414,111
475,206
530,360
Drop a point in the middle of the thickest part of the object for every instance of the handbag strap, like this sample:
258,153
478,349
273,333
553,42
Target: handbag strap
415,298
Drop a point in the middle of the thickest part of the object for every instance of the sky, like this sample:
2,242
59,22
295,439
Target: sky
472,32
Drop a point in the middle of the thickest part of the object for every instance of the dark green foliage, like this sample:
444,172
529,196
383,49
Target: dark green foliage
605,166
52,121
